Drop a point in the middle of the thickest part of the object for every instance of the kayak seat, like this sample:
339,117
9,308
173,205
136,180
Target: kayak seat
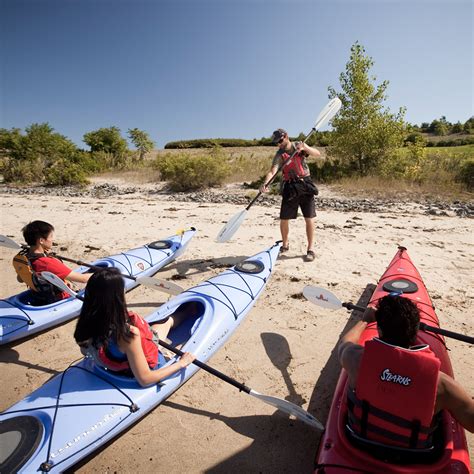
31,298
401,455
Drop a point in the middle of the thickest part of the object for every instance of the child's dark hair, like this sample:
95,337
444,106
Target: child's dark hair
36,230
398,319
104,312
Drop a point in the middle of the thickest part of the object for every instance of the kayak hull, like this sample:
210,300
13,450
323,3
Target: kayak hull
336,453
20,319
103,404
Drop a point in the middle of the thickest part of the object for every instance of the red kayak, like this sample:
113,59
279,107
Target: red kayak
337,451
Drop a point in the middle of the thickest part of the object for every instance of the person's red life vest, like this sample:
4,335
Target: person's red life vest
150,349
393,402
294,169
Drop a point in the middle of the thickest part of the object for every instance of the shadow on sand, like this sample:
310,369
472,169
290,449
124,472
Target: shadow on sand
279,444
323,391
11,356
186,268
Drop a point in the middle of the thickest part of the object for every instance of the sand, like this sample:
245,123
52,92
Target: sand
285,347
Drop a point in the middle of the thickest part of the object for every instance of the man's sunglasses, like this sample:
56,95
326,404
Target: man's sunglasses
279,142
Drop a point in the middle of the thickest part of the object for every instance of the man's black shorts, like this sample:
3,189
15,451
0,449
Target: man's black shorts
289,207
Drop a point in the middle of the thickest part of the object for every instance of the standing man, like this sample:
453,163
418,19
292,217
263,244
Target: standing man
297,190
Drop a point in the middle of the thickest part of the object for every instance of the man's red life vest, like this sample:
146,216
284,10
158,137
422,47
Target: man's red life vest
294,169
150,349
393,402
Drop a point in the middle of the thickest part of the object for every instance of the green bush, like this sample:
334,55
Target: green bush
64,173
328,171
186,173
465,175
22,171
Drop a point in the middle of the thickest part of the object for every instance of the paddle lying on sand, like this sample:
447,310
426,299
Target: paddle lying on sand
326,299
150,282
229,229
282,405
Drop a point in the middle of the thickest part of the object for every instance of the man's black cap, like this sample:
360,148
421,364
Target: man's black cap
278,135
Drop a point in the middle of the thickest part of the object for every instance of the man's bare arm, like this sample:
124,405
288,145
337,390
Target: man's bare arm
452,397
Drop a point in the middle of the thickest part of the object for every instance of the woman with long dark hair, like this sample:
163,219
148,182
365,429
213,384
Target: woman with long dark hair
121,339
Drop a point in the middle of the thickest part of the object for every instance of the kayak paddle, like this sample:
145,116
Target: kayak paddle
326,299
150,282
229,229
282,405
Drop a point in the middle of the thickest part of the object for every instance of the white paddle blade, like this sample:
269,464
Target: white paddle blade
231,227
56,281
7,242
161,285
289,408
321,297
331,109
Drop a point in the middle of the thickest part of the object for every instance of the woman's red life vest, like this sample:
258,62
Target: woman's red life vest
294,169
393,402
150,349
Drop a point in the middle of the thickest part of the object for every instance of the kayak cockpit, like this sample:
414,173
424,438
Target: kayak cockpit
177,337
20,437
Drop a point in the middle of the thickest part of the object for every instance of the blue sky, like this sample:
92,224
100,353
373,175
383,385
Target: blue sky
224,68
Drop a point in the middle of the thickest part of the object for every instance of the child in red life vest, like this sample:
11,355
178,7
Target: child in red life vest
39,235
123,340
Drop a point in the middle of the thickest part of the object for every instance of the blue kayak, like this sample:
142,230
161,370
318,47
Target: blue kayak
20,318
86,406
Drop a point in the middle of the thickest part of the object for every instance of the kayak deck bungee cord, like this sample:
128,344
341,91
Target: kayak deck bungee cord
20,318
86,406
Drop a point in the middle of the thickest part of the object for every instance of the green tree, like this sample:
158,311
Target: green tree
141,140
110,141
30,156
469,125
440,127
364,132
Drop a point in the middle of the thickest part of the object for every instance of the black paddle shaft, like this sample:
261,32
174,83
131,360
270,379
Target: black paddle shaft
445,332
279,169
424,327
205,367
92,267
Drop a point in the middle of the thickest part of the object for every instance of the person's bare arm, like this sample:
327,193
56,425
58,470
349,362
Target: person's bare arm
451,396
140,368
309,150
349,351
268,177
77,277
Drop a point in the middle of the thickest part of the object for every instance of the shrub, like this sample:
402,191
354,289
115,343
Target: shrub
186,173
64,172
328,171
465,174
22,171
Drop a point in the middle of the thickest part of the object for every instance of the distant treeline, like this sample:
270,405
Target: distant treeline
318,139
457,134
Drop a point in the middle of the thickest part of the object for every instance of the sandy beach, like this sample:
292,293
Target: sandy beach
285,347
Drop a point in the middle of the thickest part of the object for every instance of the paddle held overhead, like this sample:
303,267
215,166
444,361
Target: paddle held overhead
229,229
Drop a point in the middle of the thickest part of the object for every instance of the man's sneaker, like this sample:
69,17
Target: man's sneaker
310,256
